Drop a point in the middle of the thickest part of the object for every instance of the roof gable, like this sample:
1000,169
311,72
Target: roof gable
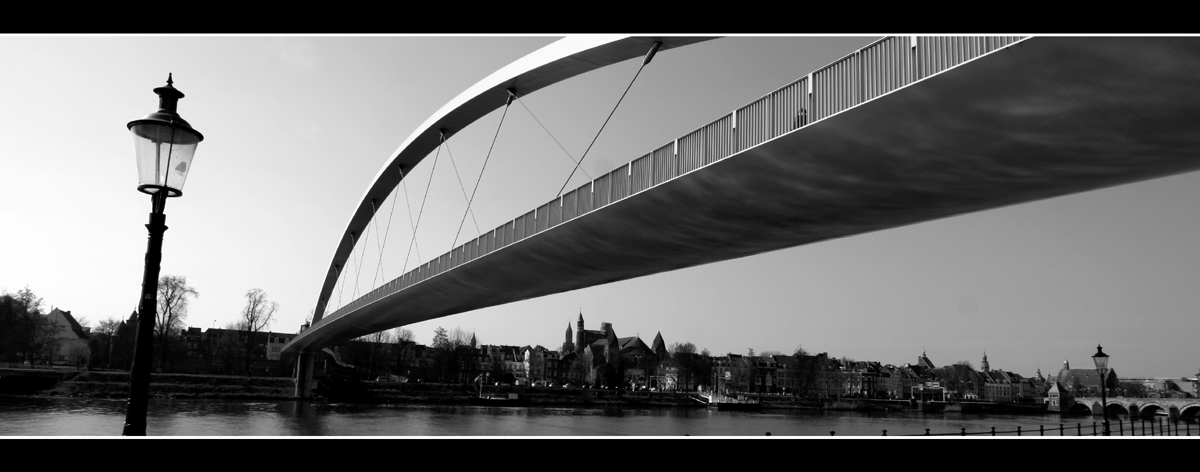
71,322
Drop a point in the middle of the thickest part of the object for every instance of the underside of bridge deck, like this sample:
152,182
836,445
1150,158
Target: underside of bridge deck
1043,118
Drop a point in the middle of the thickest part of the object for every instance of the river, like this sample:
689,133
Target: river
31,416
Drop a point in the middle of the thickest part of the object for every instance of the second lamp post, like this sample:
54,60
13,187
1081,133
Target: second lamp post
1101,360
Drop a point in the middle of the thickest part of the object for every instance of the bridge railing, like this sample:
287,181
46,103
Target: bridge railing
877,69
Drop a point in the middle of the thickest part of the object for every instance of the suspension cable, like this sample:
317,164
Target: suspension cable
388,229
377,246
646,60
560,146
461,186
358,266
342,275
408,205
511,95
423,200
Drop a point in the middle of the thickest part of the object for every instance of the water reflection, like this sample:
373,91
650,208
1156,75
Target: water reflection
21,416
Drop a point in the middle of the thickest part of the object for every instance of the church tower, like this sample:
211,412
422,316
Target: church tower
984,365
568,345
924,361
580,343
659,347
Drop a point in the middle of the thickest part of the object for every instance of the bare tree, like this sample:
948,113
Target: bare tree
690,366
464,358
455,356
580,369
101,342
173,296
79,355
682,348
258,314
404,350
23,329
376,344
108,327
807,371
225,348
403,334
20,317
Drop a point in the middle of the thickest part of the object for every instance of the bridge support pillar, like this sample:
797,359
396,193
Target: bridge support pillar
304,369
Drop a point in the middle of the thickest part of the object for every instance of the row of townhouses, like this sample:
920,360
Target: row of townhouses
598,358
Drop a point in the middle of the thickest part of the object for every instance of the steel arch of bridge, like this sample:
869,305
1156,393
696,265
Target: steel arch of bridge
554,63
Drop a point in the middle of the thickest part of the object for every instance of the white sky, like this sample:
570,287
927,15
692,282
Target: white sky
297,126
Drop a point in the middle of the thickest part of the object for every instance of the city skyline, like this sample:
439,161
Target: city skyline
296,126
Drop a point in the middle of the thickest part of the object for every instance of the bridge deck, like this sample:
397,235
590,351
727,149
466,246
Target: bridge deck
1041,118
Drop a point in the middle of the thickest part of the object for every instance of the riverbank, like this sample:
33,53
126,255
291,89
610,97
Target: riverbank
66,416
872,405
101,384
115,385
334,390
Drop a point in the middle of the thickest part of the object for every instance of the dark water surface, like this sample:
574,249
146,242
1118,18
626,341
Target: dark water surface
26,416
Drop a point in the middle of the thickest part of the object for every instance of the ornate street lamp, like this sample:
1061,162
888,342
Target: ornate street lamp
1101,360
165,144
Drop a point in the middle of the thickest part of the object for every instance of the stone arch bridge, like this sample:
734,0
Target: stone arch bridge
1181,408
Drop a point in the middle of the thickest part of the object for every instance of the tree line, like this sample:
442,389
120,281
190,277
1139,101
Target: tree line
28,337
696,368
25,333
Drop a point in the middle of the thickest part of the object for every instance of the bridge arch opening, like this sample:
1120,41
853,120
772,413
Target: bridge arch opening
1081,409
1117,409
1150,410
1189,413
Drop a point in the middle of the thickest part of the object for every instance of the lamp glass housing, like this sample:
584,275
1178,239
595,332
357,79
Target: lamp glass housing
164,155
1101,360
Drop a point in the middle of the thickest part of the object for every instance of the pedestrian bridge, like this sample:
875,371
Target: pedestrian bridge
908,129
1182,408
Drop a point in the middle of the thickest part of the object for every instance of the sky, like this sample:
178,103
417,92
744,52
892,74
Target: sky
296,128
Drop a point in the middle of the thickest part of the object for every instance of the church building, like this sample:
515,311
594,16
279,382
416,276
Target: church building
613,361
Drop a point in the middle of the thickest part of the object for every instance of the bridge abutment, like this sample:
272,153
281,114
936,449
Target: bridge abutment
304,369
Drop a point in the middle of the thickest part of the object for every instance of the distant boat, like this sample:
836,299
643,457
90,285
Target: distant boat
739,406
727,403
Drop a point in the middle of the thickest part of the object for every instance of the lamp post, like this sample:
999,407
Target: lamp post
1196,388
1101,360
164,144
